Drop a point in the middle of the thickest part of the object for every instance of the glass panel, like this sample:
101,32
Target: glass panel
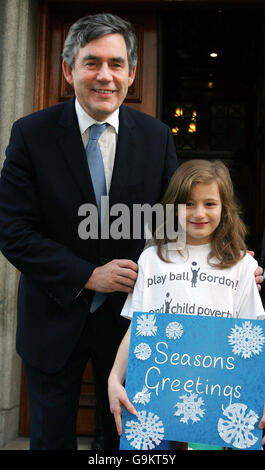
184,125
228,126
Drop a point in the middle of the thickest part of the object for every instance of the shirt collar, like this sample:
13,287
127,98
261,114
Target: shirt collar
86,121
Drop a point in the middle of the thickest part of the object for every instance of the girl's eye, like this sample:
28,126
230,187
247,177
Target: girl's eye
189,204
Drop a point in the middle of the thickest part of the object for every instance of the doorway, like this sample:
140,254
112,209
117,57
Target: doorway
211,63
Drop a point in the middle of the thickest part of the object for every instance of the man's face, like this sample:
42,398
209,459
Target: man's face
101,76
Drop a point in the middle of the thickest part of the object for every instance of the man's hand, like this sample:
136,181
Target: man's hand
259,277
258,273
117,275
262,425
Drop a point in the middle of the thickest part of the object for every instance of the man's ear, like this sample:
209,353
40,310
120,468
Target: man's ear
131,76
68,72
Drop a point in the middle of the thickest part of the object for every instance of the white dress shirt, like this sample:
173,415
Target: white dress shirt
107,140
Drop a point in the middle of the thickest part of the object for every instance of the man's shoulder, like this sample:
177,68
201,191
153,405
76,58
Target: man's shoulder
46,115
141,118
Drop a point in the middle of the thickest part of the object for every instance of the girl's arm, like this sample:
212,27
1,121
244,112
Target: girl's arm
117,393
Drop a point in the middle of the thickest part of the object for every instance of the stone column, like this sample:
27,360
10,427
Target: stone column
18,39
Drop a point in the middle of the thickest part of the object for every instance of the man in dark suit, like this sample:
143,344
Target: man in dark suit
45,180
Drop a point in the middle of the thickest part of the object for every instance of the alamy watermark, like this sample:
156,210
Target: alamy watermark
121,222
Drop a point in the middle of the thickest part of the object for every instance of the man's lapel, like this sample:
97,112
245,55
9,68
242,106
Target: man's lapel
73,151
124,162
71,144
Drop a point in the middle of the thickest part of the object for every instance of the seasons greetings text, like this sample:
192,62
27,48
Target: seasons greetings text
155,381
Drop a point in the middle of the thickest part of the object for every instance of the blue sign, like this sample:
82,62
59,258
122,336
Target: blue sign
194,379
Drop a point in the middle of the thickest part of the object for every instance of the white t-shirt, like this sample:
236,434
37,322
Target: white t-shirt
189,285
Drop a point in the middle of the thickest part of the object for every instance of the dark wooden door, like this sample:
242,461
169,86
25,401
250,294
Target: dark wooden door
260,164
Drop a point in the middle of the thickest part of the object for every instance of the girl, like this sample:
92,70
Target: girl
212,273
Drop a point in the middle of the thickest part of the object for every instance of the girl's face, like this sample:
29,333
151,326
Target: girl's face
203,213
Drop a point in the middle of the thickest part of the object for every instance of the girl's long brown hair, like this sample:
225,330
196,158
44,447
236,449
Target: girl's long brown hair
228,240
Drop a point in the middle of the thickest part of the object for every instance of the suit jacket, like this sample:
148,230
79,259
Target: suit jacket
262,264
44,181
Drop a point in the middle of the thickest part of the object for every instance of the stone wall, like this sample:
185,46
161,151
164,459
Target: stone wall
18,39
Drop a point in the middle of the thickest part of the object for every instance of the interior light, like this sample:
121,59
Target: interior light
192,128
213,54
178,112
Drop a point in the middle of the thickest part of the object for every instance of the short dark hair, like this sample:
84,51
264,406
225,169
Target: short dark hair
92,27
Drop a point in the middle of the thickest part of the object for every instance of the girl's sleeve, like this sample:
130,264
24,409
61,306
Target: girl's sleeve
134,301
251,305
249,301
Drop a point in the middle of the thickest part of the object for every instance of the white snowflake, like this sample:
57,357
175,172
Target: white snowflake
146,325
145,433
142,397
142,351
174,330
190,408
236,429
246,339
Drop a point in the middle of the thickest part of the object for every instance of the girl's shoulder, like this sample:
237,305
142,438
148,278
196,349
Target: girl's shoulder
148,254
248,262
